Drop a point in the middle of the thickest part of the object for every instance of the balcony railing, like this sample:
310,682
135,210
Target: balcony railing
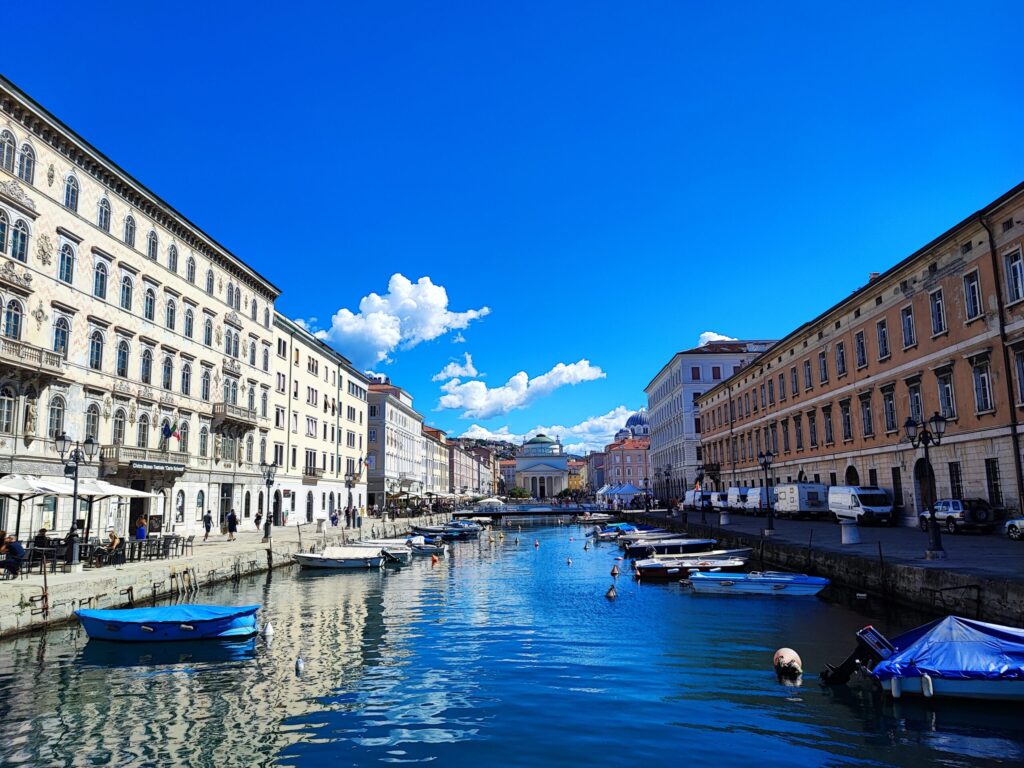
22,355
114,457
235,413
312,472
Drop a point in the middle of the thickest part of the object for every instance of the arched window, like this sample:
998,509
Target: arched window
96,351
263,451
129,230
99,280
122,358
146,368
126,293
119,424
27,164
249,449
6,410
19,241
200,505
71,193
231,293
142,437
263,405
7,151
247,508
61,335
252,353
252,399
234,345
172,259
103,215
55,422
209,281
149,304
189,323
238,298
208,332
190,269
179,507
152,245
266,359
204,442
183,437
3,232
92,421
66,264
253,310
168,373
12,319
170,313
186,379
266,317
204,386
259,503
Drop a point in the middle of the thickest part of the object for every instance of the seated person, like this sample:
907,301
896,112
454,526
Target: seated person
15,555
41,541
105,551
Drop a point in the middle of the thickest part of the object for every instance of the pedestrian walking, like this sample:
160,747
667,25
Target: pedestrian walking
259,519
334,519
207,524
232,525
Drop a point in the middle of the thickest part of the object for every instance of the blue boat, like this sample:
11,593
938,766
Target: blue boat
768,583
175,622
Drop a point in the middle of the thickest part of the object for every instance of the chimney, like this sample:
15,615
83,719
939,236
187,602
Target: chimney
872,276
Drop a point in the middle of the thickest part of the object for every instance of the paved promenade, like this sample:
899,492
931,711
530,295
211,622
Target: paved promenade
213,561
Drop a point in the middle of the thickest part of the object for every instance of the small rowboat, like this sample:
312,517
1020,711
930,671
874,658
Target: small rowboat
669,570
768,583
342,558
175,622
676,546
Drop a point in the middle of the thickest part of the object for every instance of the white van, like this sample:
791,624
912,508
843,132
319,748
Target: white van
720,500
736,498
757,501
863,503
692,500
799,499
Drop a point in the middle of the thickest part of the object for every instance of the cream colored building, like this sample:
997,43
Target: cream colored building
319,425
435,453
122,318
395,456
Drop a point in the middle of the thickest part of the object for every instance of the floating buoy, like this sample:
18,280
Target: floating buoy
268,630
927,686
568,561
611,594
618,558
615,571
433,559
536,543
787,663
299,666
517,540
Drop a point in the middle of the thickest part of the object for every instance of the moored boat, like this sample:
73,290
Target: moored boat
341,558
675,569
399,553
676,546
767,583
174,622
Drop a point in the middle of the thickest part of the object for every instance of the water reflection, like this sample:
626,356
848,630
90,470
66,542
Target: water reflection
501,655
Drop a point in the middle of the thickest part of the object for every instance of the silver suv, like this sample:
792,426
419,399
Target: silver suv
961,515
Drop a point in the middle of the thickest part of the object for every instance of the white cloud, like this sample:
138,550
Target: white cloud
709,336
591,434
478,401
458,338
455,370
408,314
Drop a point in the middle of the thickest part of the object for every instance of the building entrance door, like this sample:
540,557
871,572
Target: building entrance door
226,493
924,485
852,476
277,507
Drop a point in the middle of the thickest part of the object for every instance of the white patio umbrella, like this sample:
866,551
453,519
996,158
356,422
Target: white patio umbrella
490,501
25,487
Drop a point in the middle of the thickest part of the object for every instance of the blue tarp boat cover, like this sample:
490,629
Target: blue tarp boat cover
957,649
176,614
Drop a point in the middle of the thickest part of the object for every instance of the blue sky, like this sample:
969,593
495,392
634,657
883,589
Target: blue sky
585,187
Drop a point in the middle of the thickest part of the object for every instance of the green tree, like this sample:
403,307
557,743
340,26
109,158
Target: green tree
518,493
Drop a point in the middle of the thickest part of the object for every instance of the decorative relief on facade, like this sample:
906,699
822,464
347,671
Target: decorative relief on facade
30,418
167,400
131,413
145,393
50,173
9,273
16,192
107,407
220,284
45,249
123,386
233,366
40,315
218,335
232,318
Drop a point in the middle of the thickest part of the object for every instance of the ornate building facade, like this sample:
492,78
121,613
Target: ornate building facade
541,467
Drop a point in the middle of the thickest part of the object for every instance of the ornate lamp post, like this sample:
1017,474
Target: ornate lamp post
698,491
668,484
268,470
74,457
765,459
926,434
647,496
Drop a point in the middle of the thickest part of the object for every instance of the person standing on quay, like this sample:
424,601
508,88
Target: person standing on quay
207,524
259,519
232,525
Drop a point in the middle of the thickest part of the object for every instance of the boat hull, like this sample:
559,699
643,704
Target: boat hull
669,547
993,690
311,561
148,625
674,570
796,585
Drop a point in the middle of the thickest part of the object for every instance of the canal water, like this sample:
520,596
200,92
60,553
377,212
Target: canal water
502,655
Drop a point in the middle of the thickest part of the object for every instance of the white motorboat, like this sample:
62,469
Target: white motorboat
342,558
767,583
417,545
394,552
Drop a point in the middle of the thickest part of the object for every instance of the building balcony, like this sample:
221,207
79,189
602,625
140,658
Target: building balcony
234,416
114,458
312,473
31,358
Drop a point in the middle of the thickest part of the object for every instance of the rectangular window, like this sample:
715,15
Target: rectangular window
746,400
771,392
982,387
995,492
972,296
793,381
914,399
866,422
956,483
373,436
757,439
785,435
947,401
716,372
807,374
873,477
897,488
822,368
1018,359
840,359
846,418
938,313
774,431
889,406
1014,276
909,331
695,373
812,429
798,432
831,478
826,415
860,349
373,411
782,387
764,399
882,333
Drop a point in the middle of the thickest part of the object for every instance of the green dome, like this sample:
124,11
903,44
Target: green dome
541,438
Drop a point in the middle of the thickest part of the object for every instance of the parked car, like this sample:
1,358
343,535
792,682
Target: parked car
801,499
737,499
863,503
1015,528
719,500
962,515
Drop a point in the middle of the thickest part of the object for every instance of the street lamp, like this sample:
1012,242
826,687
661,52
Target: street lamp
698,488
765,459
268,470
925,434
73,458
350,483
647,497
668,484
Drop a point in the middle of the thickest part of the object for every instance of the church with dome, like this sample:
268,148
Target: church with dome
637,426
542,467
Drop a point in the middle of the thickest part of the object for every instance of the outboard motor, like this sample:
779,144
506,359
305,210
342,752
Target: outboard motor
872,647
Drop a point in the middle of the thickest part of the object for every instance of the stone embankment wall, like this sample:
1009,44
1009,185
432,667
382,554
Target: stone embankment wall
21,600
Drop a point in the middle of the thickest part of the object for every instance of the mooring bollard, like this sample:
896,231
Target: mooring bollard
723,517
850,531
